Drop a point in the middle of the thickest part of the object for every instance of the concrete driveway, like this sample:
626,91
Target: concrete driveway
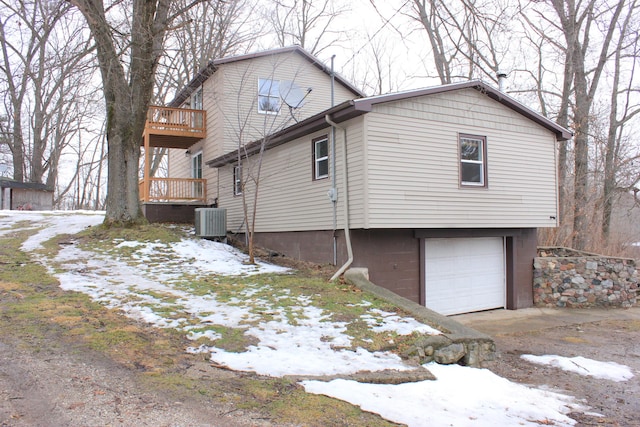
503,322
604,335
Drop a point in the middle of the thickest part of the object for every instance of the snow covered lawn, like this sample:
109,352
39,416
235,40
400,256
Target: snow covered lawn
205,289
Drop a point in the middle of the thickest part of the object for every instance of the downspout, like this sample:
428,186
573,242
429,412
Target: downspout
347,234
333,194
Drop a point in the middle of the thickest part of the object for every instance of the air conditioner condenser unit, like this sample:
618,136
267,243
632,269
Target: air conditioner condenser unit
211,223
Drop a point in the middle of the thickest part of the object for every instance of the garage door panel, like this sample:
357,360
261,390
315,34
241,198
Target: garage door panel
464,275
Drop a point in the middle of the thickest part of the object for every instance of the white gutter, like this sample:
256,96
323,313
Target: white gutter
347,234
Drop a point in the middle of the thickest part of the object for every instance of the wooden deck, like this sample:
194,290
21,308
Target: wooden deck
179,128
169,190
175,127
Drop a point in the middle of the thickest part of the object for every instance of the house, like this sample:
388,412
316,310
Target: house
437,191
232,101
16,195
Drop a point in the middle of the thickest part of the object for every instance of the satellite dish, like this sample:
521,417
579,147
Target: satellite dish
292,95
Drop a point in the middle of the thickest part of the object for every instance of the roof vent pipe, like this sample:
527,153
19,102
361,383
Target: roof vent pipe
502,77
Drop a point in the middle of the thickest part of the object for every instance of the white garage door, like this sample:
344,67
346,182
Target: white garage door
464,274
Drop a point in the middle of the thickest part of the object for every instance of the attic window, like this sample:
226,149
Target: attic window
473,164
268,96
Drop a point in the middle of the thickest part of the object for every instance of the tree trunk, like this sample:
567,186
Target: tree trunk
581,161
127,98
158,155
123,204
17,148
564,219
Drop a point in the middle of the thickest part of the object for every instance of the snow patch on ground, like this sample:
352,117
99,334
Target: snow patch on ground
583,366
460,396
296,338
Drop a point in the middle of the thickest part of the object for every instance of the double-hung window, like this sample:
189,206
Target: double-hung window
473,160
237,180
268,96
321,157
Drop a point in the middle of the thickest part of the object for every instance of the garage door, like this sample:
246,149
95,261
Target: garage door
464,274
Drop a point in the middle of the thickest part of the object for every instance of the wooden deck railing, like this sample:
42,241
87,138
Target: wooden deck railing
174,189
168,120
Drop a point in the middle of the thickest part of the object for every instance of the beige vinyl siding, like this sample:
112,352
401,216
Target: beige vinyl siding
209,146
289,198
357,173
238,88
211,104
229,201
413,165
178,164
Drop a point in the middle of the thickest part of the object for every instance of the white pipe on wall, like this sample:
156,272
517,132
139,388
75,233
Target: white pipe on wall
347,234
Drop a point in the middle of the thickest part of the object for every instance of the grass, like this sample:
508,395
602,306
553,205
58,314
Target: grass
268,296
33,307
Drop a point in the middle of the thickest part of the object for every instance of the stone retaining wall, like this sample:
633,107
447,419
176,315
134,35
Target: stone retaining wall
564,277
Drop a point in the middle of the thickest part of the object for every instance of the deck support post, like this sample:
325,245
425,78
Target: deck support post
146,183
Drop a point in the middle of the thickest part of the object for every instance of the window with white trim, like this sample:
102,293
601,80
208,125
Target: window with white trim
321,157
237,180
473,160
268,96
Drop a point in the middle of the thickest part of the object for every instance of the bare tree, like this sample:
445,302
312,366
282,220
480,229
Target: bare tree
546,63
45,67
577,23
24,32
306,23
623,108
467,38
590,45
207,31
253,136
376,72
130,33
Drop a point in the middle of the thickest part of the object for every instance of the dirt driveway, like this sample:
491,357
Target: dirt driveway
603,335
63,386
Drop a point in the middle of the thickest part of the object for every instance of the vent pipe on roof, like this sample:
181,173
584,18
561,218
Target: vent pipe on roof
502,78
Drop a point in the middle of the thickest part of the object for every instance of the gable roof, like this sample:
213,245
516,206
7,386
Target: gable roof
211,68
357,107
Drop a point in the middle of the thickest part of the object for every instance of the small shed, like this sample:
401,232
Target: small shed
16,195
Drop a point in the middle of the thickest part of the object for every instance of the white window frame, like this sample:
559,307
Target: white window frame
481,162
269,90
237,180
317,160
